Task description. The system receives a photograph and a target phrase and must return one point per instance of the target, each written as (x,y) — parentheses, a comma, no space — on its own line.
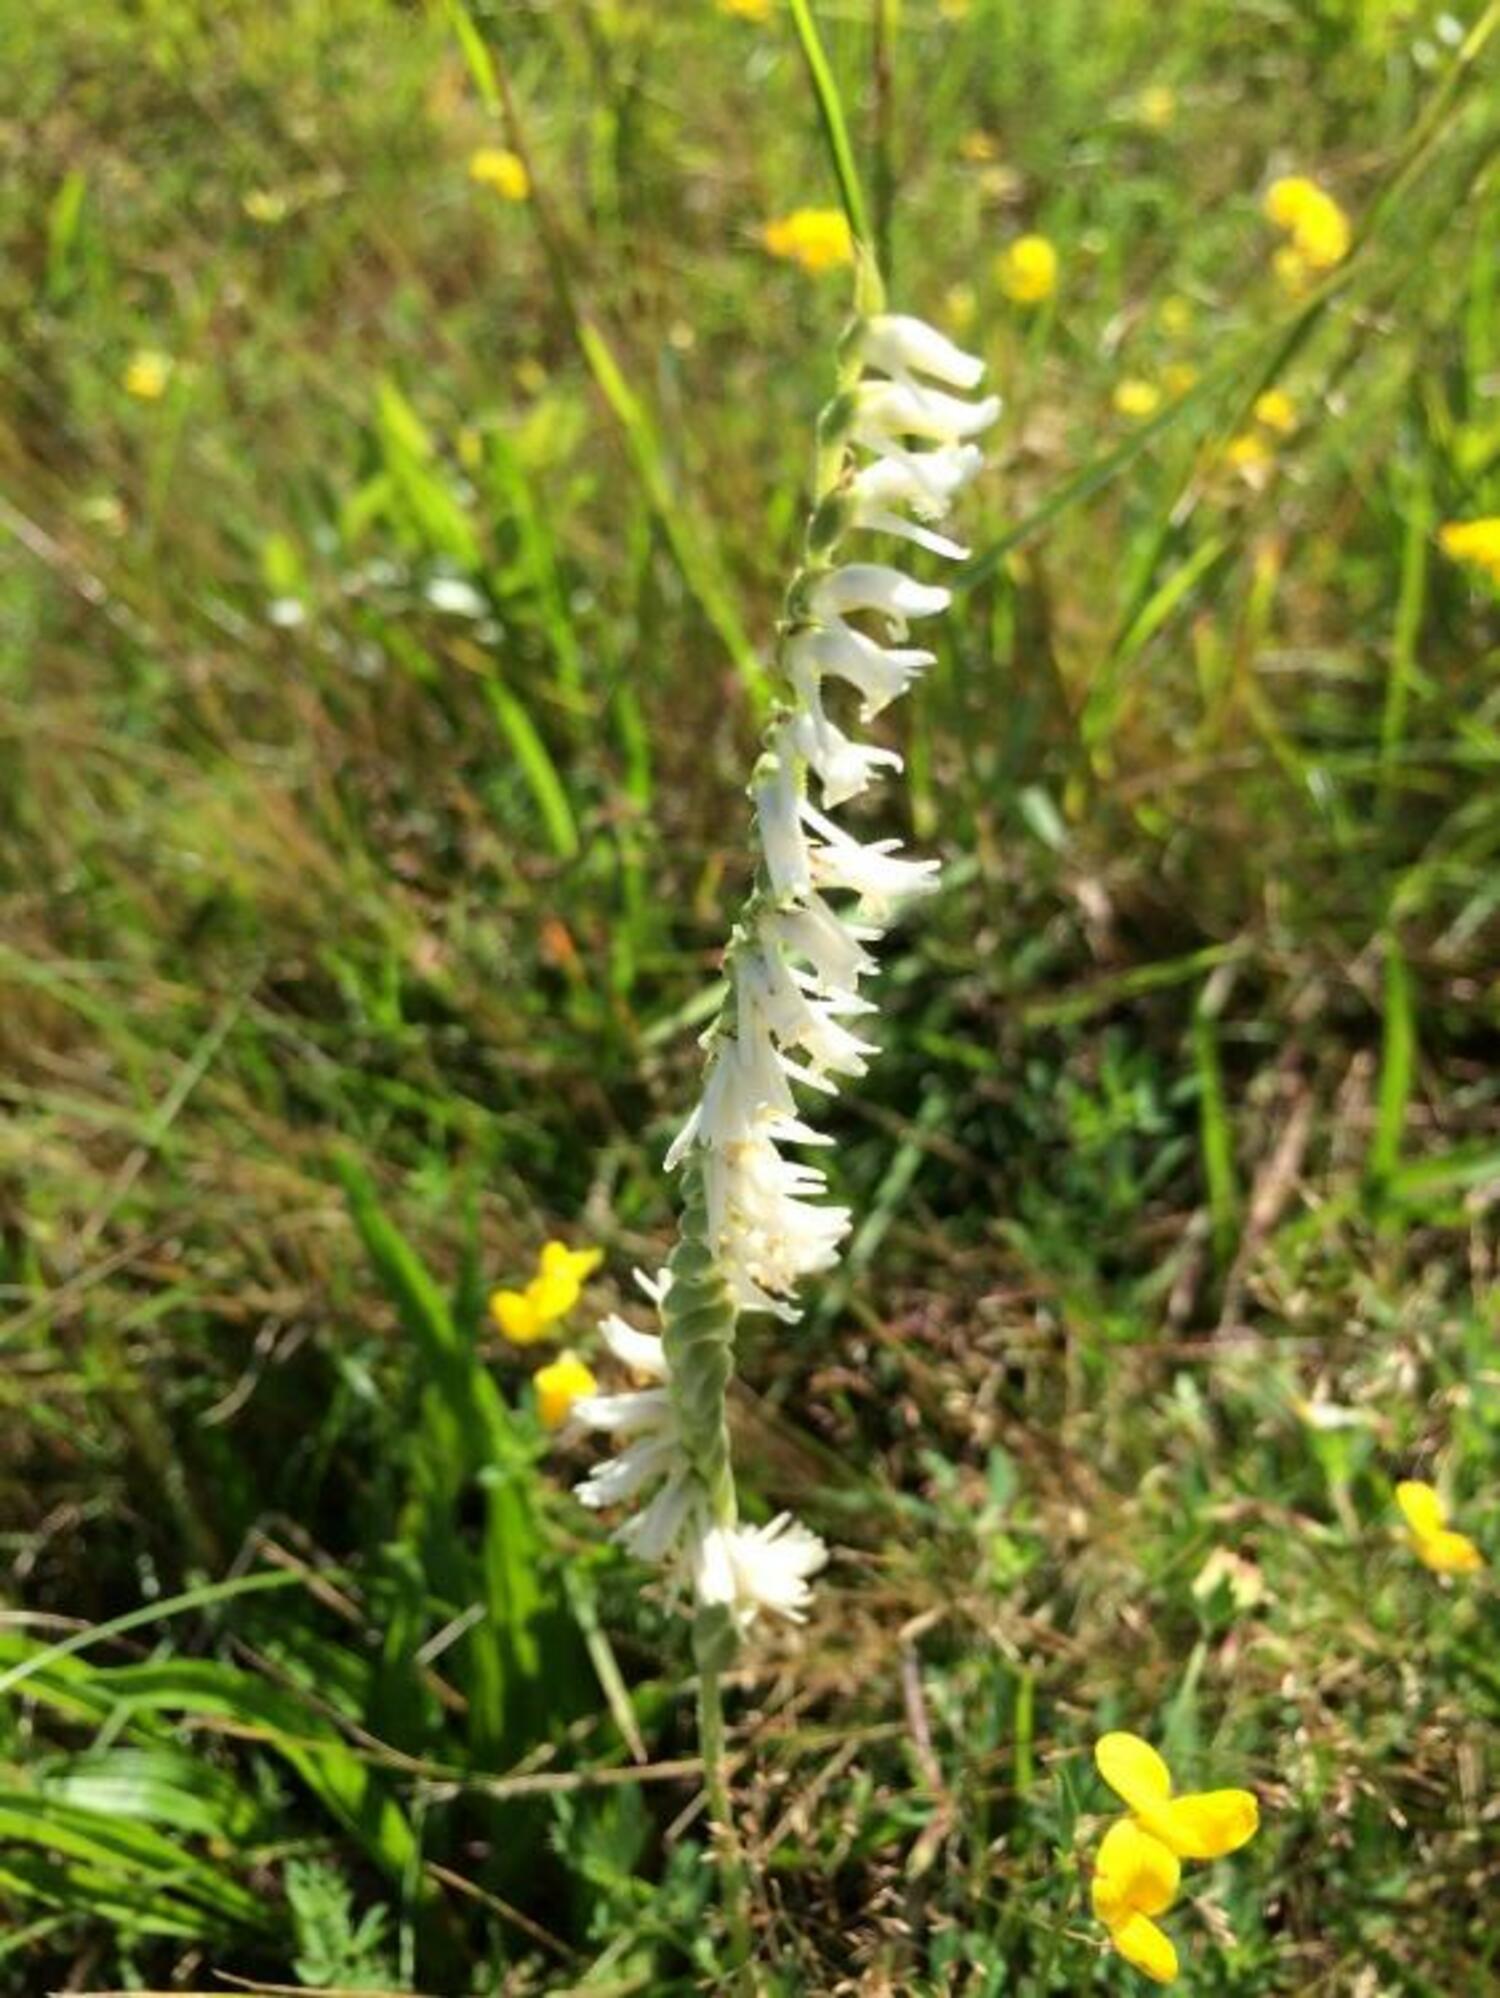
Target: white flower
(871,586)
(799,1021)
(776,794)
(755,1568)
(891,482)
(829,944)
(844,767)
(897,344)
(653,1452)
(879,673)
(658,1529)
(768,1225)
(868,869)
(885,412)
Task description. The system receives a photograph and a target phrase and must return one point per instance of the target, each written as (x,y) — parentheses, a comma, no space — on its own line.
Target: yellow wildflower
(563,1264)
(147,375)
(524,1316)
(558,1385)
(1027,270)
(746,10)
(954,10)
(1203,1825)
(1136,1877)
(1157,106)
(1437,1545)
(1276,411)
(1476,541)
(1139,1866)
(1177,377)
(979,147)
(817,239)
(1248,453)
(1318,227)
(498,167)
(1134,397)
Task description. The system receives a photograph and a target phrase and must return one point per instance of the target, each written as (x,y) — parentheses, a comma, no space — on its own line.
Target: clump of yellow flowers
(1026,270)
(1473,541)
(1139,1864)
(498,167)
(746,10)
(1317,229)
(1436,1544)
(525,1316)
(816,239)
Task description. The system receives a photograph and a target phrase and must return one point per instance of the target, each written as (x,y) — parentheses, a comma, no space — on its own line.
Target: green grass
(374,717)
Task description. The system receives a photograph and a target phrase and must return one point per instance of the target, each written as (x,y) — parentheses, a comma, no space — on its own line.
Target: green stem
(733,1879)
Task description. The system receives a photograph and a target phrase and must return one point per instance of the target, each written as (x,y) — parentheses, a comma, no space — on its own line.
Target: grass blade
(1398,1061)
(835,125)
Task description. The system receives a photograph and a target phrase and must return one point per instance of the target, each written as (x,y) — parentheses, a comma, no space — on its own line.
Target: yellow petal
(1449,1553)
(1134,1874)
(1027,270)
(558,1260)
(552,1297)
(1289,198)
(516,1315)
(1205,1825)
(1146,1947)
(1276,410)
(501,169)
(1134,397)
(558,1385)
(1421,1508)
(1133,1770)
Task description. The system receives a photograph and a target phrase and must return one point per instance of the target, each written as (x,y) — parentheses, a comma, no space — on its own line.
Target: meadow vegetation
(403,447)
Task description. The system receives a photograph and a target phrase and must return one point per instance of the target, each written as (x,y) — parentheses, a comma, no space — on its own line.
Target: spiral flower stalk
(895,449)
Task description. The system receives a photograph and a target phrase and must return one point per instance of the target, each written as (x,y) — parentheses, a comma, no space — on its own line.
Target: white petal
(781,841)
(870,586)
(642,1352)
(879,673)
(712,1567)
(830,945)
(625,1414)
(845,768)
(878,521)
(925,480)
(655,1531)
(620,1478)
(892,410)
(896,343)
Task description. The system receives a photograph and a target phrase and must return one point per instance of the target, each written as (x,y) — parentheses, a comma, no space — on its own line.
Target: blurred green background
(390,540)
